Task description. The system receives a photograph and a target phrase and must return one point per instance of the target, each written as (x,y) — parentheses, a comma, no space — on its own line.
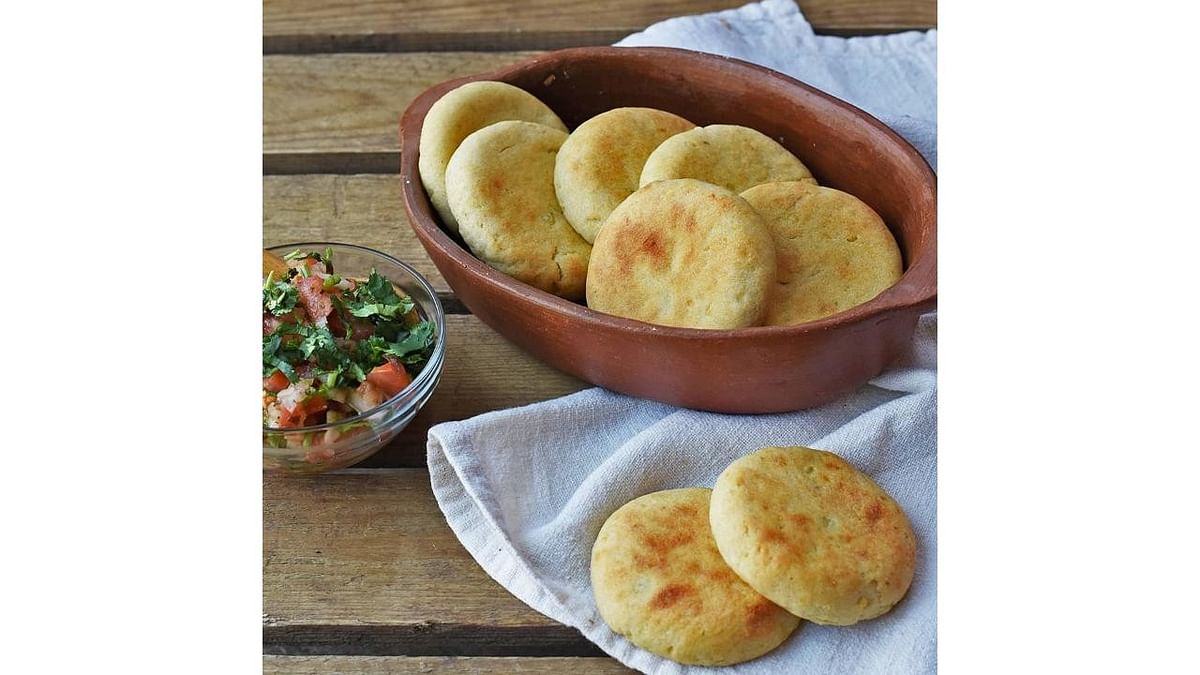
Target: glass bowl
(304,450)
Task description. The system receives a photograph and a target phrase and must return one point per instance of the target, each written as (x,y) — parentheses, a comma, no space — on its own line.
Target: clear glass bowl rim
(432,366)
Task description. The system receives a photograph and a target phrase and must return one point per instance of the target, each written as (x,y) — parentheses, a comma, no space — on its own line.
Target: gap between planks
(367,210)
(484,41)
(340,113)
(428,639)
(380,665)
(361,561)
(317,26)
(482,372)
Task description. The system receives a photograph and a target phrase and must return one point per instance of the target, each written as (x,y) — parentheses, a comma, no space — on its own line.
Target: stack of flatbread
(716,577)
(647,216)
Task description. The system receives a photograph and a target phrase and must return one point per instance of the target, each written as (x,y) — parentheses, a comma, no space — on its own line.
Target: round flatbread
(734,157)
(833,251)
(659,581)
(683,253)
(809,531)
(458,114)
(500,186)
(601,162)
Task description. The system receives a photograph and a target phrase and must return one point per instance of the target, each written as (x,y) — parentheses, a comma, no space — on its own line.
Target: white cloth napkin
(893,77)
(527,489)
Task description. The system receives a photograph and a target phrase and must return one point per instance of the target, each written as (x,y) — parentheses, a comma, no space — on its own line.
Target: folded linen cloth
(526,490)
(893,77)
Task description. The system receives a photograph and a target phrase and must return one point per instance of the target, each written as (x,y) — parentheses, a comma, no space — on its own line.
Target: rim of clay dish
(916,289)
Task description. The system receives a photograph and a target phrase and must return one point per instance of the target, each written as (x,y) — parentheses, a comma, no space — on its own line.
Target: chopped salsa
(333,347)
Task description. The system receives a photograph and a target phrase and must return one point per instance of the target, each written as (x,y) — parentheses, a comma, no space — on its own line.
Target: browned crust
(660,581)
(812,533)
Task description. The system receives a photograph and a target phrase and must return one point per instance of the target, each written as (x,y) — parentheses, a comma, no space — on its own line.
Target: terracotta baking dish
(750,370)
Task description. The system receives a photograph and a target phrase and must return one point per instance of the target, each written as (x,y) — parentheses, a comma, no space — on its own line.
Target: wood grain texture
(483,372)
(381,665)
(365,210)
(295,26)
(362,562)
(350,104)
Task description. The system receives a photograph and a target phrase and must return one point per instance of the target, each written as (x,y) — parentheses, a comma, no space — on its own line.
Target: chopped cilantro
(285,368)
(377,297)
(329,355)
(420,337)
(279,297)
(318,341)
(331,378)
(271,345)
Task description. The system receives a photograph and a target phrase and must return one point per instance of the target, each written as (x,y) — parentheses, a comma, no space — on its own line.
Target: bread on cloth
(458,114)
(601,162)
(500,186)
(833,251)
(812,533)
(683,253)
(659,581)
(735,157)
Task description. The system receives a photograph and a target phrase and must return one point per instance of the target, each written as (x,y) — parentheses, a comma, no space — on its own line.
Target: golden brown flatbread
(736,158)
(683,253)
(833,251)
(812,533)
(500,186)
(601,162)
(458,114)
(660,581)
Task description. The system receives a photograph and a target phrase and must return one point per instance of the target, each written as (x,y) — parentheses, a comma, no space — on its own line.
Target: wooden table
(360,571)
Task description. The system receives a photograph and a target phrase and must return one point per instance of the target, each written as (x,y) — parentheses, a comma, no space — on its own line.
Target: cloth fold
(892,77)
(527,489)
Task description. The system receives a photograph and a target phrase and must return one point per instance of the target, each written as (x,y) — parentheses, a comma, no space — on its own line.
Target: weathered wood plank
(483,372)
(382,665)
(295,26)
(362,562)
(347,104)
(366,210)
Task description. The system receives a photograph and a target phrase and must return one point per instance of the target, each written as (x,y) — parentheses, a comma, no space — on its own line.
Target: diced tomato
(314,404)
(316,303)
(289,418)
(391,377)
(336,325)
(277,382)
(360,329)
(298,416)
